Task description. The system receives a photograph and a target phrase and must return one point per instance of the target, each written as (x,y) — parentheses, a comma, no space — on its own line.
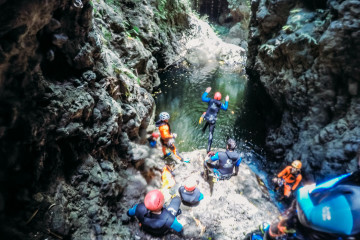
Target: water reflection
(180,95)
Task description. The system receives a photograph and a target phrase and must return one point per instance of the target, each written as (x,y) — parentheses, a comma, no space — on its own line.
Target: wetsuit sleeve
(201,197)
(176,225)
(238,162)
(298,179)
(224,106)
(215,157)
(131,211)
(283,172)
(204,97)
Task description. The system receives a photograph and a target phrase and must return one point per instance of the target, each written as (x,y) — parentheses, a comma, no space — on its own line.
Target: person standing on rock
(189,193)
(290,178)
(214,105)
(153,217)
(227,161)
(167,138)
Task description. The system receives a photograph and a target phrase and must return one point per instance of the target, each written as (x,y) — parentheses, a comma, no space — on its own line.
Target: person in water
(153,217)
(214,105)
(227,161)
(189,193)
(290,178)
(167,138)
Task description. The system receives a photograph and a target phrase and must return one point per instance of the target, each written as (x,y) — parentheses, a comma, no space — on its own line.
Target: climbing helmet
(164,116)
(190,184)
(154,200)
(296,164)
(217,96)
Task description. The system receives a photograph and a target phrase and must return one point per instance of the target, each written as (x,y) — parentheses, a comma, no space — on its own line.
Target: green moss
(308,38)
(269,49)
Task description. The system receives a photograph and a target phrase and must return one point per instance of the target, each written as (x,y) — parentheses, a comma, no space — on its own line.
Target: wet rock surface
(229,210)
(75,83)
(306,56)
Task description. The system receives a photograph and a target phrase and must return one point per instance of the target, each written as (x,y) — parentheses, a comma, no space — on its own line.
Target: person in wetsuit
(153,217)
(189,193)
(227,161)
(290,178)
(214,105)
(330,210)
(167,138)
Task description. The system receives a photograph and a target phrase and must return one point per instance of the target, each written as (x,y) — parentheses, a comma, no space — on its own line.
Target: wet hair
(231,144)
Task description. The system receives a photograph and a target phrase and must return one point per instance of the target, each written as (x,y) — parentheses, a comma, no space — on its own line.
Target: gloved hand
(227,98)
(201,119)
(210,154)
(208,89)
(174,135)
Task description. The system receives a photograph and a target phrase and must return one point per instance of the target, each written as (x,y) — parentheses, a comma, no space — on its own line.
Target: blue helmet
(331,207)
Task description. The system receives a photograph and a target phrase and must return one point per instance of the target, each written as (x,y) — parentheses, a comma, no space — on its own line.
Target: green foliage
(162,11)
(106,34)
(296,10)
(126,71)
(287,27)
(308,38)
(93,6)
(269,49)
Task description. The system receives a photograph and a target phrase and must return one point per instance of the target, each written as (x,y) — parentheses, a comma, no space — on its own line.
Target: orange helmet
(154,200)
(190,184)
(296,164)
(217,96)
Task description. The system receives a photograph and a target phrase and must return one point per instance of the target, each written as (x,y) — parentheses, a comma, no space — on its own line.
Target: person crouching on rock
(290,177)
(152,139)
(189,193)
(167,138)
(227,161)
(153,217)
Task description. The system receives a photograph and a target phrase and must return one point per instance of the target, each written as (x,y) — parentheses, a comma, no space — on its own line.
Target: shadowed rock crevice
(305,58)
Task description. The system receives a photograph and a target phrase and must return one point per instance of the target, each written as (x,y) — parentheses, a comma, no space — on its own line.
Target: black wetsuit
(190,198)
(158,224)
(211,116)
(226,163)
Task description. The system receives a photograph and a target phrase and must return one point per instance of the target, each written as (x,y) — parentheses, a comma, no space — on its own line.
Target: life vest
(156,224)
(288,176)
(227,161)
(212,111)
(189,198)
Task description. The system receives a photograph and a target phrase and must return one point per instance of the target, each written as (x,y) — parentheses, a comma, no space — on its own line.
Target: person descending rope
(152,215)
(227,161)
(214,105)
(189,193)
(328,211)
(290,178)
(167,138)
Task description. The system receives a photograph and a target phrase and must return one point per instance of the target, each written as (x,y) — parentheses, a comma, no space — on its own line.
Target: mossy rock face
(302,55)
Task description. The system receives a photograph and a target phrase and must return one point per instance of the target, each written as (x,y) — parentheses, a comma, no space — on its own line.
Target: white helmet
(164,116)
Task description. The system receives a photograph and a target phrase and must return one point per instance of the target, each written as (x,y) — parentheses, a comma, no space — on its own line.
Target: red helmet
(217,96)
(190,184)
(155,135)
(154,200)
